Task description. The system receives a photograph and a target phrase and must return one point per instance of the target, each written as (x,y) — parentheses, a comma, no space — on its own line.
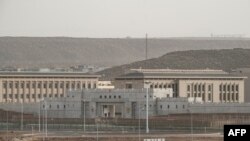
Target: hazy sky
(121,18)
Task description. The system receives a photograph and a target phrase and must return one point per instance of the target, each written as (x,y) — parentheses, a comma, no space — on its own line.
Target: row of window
(199,87)
(176,107)
(58,106)
(229,97)
(228,87)
(163,86)
(209,95)
(16,96)
(74,85)
(114,96)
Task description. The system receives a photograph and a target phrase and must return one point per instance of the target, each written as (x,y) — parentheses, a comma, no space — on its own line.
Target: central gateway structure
(120,103)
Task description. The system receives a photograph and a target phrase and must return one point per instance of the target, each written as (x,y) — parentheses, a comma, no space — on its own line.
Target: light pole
(191,121)
(39,116)
(147,87)
(46,119)
(8,100)
(22,115)
(83,111)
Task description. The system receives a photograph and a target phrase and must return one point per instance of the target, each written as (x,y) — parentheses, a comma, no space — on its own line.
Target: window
(176,106)
(61,85)
(64,106)
(5,96)
(16,85)
(39,85)
(22,84)
(188,88)
(27,95)
(89,85)
(228,96)
(78,85)
(209,97)
(28,85)
(232,87)
(224,97)
(165,86)
(58,106)
(119,97)
(220,87)
(209,87)
(105,96)
(72,85)
(183,107)
(195,87)
(199,88)
(237,97)
(39,95)
(67,85)
(168,106)
(203,87)
(233,96)
(151,86)
(228,87)
(224,88)
(160,86)
(128,86)
(115,97)
(220,96)
(44,85)
(33,85)
(5,85)
(56,85)
(33,96)
(109,96)
(61,95)
(188,95)
(237,87)
(16,96)
(50,85)
(100,96)
(94,86)
(10,84)
(83,86)
(161,106)
(156,86)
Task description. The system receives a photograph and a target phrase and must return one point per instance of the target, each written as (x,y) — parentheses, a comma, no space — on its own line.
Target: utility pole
(146,50)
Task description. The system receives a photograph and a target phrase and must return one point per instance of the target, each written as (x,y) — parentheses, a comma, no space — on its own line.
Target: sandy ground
(80,136)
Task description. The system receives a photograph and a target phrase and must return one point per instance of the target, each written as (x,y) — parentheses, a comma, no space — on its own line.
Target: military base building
(31,87)
(211,85)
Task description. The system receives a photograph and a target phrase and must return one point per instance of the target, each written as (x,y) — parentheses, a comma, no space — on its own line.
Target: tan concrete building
(210,85)
(34,86)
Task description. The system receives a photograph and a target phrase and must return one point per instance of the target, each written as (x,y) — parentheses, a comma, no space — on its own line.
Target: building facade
(210,85)
(112,103)
(34,86)
(130,103)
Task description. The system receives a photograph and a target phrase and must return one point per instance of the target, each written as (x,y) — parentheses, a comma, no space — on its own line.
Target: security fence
(173,123)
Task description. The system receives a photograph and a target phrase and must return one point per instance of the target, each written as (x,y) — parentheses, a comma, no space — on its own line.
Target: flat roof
(179,75)
(48,74)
